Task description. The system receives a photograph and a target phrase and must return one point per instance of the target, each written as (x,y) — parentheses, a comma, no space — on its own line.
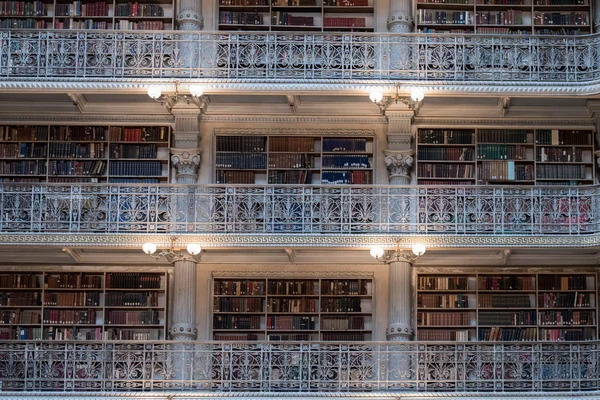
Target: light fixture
(418,249)
(170,254)
(169,100)
(416,96)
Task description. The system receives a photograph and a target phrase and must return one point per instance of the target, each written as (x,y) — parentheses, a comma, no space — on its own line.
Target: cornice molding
(231,85)
(504,121)
(292,274)
(294,131)
(295,119)
(89,118)
(256,240)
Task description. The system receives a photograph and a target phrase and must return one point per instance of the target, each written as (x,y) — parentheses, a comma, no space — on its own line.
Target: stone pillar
(400,19)
(185,150)
(189,15)
(183,323)
(400,301)
(186,163)
(399,156)
(596,6)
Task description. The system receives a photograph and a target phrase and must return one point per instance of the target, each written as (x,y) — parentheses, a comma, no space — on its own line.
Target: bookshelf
(507,307)
(83,306)
(73,154)
(516,17)
(292,309)
(87,14)
(294,160)
(297,15)
(505,156)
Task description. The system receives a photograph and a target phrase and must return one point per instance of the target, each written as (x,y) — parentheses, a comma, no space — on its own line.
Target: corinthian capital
(187,164)
(399,163)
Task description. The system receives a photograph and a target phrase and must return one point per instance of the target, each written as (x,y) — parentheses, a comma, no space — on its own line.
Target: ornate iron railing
(250,209)
(311,56)
(299,367)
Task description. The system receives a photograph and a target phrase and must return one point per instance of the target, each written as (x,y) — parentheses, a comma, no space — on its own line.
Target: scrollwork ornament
(187,164)
(399,163)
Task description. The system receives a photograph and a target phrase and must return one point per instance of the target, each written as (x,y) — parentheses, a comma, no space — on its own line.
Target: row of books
(497,334)
(292,144)
(23,9)
(507,318)
(133,180)
(137,299)
(76,150)
(561,171)
(344,337)
(235,177)
(445,170)
(284,18)
(560,154)
(72,333)
(443,283)
(426,29)
(243,2)
(133,151)
(132,334)
(346,177)
(21,334)
(139,10)
(561,18)
(291,161)
(502,152)
(293,287)
(344,304)
(502,2)
(87,133)
(505,171)
(345,287)
(555,137)
(344,22)
(559,300)
(69,317)
(295,337)
(444,2)
(146,317)
(22,24)
(343,145)
(19,299)
(288,177)
(73,23)
(240,18)
(144,134)
(494,30)
(79,9)
(557,282)
(23,167)
(126,25)
(135,168)
(290,323)
(77,167)
(126,280)
(247,337)
(241,144)
(442,300)
(346,3)
(236,322)
(433,182)
(19,281)
(228,304)
(507,282)
(443,17)
(504,300)
(462,318)
(567,317)
(302,305)
(23,133)
(504,136)
(72,299)
(508,17)
(241,160)
(559,31)
(239,288)
(342,322)
(15,317)
(560,2)
(446,153)
(345,161)
(289,3)
(443,335)
(561,335)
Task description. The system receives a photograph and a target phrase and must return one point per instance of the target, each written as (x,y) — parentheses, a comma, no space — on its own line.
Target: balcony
(60,214)
(557,64)
(298,367)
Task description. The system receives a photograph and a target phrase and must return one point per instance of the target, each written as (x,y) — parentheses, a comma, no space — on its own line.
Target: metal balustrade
(491,59)
(269,209)
(299,367)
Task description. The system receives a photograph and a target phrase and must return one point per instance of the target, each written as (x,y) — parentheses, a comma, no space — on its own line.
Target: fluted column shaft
(596,16)
(189,15)
(183,325)
(400,300)
(400,19)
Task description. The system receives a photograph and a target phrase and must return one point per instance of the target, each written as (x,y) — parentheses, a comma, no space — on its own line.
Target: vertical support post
(400,18)
(183,325)
(400,301)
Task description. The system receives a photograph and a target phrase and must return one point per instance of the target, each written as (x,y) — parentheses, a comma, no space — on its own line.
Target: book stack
(137,299)
(147,317)
(290,323)
(228,304)
(70,317)
(236,322)
(133,280)
(345,304)
(75,299)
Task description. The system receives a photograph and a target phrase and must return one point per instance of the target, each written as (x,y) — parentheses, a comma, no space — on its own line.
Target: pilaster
(400,18)
(596,16)
(400,301)
(189,15)
(183,325)
(399,156)
(185,151)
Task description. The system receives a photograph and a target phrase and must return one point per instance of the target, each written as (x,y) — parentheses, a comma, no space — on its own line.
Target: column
(185,152)
(189,15)
(400,301)
(399,156)
(400,19)
(183,325)
(596,7)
